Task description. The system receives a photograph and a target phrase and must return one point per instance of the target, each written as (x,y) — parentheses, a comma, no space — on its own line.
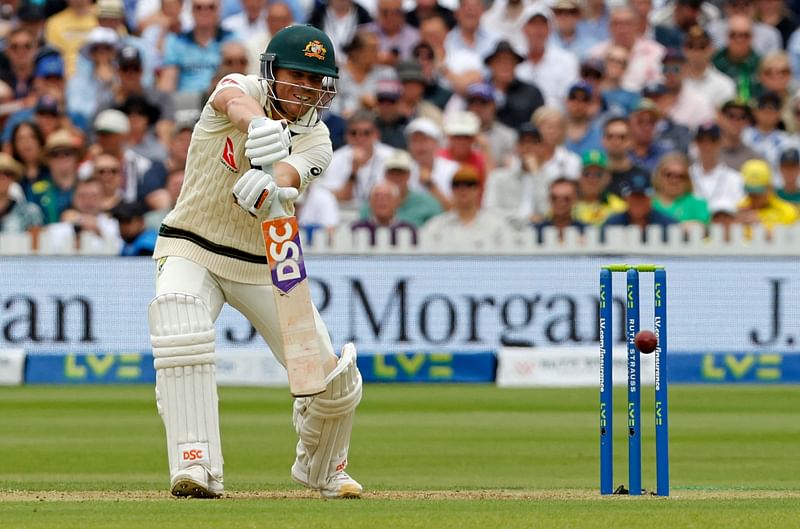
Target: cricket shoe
(194,482)
(339,485)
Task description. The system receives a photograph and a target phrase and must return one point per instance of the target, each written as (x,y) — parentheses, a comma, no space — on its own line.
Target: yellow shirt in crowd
(777,211)
(67,31)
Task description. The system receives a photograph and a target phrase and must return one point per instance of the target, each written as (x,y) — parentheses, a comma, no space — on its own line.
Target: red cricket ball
(646,341)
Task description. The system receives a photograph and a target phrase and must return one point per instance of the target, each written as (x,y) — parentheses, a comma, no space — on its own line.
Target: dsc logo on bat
(285,256)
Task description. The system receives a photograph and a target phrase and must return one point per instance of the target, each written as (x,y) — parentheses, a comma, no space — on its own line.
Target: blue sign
(90,368)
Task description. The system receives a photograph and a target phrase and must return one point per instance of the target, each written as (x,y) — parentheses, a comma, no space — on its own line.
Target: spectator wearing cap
(644,54)
(396,37)
(250,23)
(111,15)
(390,120)
(552,69)
(645,149)
(359,75)
(67,30)
(357,166)
(789,189)
(701,76)
(505,185)
(429,171)
(414,207)
(761,205)
(339,19)
(137,239)
(583,131)
(85,225)
(142,117)
(466,222)
(618,99)
(192,57)
(733,118)
(686,107)
(465,144)
(384,201)
(565,35)
(27,148)
(500,138)
(673,193)
(17,215)
(712,180)
(516,99)
(129,83)
(738,60)
(669,135)
(595,202)
(617,144)
(94,79)
(765,38)
(17,64)
(112,129)
(414,87)
(54,195)
(764,136)
(551,161)
(640,212)
(563,197)
(427,9)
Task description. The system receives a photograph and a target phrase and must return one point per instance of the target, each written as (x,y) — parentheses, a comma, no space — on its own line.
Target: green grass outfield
(443,456)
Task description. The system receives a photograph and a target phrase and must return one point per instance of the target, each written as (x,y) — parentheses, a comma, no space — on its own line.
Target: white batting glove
(254,192)
(268,141)
(286,197)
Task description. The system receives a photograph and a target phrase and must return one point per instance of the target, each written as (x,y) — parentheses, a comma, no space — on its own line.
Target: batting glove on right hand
(254,191)
(268,141)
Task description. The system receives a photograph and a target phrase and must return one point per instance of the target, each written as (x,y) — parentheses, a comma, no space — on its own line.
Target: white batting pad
(324,422)
(182,335)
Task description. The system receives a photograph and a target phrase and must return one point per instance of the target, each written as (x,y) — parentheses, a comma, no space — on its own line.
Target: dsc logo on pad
(192,455)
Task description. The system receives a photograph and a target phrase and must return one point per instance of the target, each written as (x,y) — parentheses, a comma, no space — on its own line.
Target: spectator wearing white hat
(112,129)
(549,67)
(465,144)
(429,170)
(94,78)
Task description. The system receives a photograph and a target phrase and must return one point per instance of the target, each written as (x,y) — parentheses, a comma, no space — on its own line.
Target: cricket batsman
(258,139)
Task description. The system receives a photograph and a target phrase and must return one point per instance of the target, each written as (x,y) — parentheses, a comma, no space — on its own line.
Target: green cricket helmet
(302,48)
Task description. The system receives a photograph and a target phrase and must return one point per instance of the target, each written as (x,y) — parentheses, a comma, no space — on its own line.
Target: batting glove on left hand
(268,141)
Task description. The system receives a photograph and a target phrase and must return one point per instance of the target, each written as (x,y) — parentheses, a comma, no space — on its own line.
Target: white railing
(676,240)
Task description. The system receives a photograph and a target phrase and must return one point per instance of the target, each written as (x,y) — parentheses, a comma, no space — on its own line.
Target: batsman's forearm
(239,107)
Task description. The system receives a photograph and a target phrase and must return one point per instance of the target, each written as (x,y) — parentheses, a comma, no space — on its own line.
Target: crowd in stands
(457,119)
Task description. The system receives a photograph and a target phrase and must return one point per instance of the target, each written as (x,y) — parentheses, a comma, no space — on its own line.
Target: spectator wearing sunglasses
(764,136)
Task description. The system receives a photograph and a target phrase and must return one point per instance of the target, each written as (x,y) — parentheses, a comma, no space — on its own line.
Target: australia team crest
(315,49)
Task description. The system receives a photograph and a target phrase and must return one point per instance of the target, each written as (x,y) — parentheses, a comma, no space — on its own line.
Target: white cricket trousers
(256,302)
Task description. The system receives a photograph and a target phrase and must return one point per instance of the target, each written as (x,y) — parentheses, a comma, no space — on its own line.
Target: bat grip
(276,209)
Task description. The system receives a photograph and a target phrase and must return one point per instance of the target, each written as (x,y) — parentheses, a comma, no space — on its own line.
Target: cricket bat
(293,301)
